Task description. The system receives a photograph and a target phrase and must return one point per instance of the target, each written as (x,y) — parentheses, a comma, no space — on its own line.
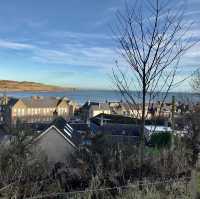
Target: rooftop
(62,125)
(119,119)
(38,102)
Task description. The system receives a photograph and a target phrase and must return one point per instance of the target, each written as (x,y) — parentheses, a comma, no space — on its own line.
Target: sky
(69,42)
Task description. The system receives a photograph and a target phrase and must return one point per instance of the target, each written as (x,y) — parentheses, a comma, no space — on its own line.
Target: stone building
(91,109)
(37,109)
(57,142)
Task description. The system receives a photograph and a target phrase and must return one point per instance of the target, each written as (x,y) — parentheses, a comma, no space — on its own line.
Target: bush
(160,140)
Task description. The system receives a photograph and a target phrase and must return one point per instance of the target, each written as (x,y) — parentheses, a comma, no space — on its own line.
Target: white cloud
(90,57)
(15,45)
(77,35)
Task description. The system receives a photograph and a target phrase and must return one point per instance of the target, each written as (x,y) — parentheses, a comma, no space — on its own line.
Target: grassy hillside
(8,85)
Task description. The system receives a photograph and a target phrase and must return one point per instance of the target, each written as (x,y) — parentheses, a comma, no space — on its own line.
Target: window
(23,112)
(18,111)
(28,111)
(35,111)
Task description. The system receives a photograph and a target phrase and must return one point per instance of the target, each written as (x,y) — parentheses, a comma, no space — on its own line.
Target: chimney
(55,114)
(35,97)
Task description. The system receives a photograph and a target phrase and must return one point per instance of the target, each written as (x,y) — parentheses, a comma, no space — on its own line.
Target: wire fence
(178,187)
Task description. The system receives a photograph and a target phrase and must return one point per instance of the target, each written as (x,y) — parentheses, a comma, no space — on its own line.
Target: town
(61,134)
(100,99)
(118,120)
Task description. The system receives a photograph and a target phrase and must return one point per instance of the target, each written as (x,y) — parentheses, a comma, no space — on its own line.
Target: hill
(9,85)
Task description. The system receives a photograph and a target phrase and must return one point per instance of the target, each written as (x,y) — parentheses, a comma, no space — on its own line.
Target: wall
(54,146)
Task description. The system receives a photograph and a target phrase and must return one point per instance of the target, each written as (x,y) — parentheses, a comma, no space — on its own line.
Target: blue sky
(69,42)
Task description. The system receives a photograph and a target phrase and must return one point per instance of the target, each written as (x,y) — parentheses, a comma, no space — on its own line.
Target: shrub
(160,140)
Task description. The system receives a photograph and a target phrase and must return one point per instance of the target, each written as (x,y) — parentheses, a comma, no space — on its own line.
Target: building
(37,109)
(91,109)
(97,109)
(125,109)
(123,129)
(83,131)
(158,129)
(119,129)
(57,142)
(116,131)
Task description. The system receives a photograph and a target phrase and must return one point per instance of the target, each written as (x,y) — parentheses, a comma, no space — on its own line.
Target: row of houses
(58,135)
(39,109)
(59,139)
(36,109)
(158,109)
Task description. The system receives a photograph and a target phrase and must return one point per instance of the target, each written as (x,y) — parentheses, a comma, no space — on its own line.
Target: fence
(179,188)
(160,189)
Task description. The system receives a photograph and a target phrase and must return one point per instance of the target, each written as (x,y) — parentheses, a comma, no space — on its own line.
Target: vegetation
(150,38)
(8,85)
(114,170)
(101,165)
(161,140)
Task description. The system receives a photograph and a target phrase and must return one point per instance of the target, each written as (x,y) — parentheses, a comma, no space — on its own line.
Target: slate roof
(121,129)
(120,119)
(37,127)
(114,119)
(121,133)
(40,102)
(80,126)
(101,106)
(12,101)
(63,126)
(88,104)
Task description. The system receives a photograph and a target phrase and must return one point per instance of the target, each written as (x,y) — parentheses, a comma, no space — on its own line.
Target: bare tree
(152,37)
(196,81)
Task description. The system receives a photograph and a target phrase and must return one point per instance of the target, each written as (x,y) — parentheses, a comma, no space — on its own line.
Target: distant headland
(26,86)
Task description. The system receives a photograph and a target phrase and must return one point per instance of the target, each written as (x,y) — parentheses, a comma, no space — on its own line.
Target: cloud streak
(15,45)
(96,57)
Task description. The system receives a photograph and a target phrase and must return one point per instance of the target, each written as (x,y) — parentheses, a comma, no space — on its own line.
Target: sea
(81,96)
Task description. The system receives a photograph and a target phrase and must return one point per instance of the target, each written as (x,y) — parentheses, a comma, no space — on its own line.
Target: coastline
(83,95)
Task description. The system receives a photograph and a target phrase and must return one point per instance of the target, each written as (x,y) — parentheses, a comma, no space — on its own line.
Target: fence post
(194,184)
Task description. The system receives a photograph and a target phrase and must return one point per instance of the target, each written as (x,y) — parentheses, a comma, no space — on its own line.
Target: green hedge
(161,139)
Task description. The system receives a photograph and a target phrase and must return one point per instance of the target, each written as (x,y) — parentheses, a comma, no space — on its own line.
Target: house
(121,133)
(125,109)
(118,129)
(125,129)
(37,109)
(91,109)
(57,142)
(120,119)
(84,131)
(158,129)
(97,109)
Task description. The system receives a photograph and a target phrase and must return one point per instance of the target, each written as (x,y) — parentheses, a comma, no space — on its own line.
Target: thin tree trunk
(141,155)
